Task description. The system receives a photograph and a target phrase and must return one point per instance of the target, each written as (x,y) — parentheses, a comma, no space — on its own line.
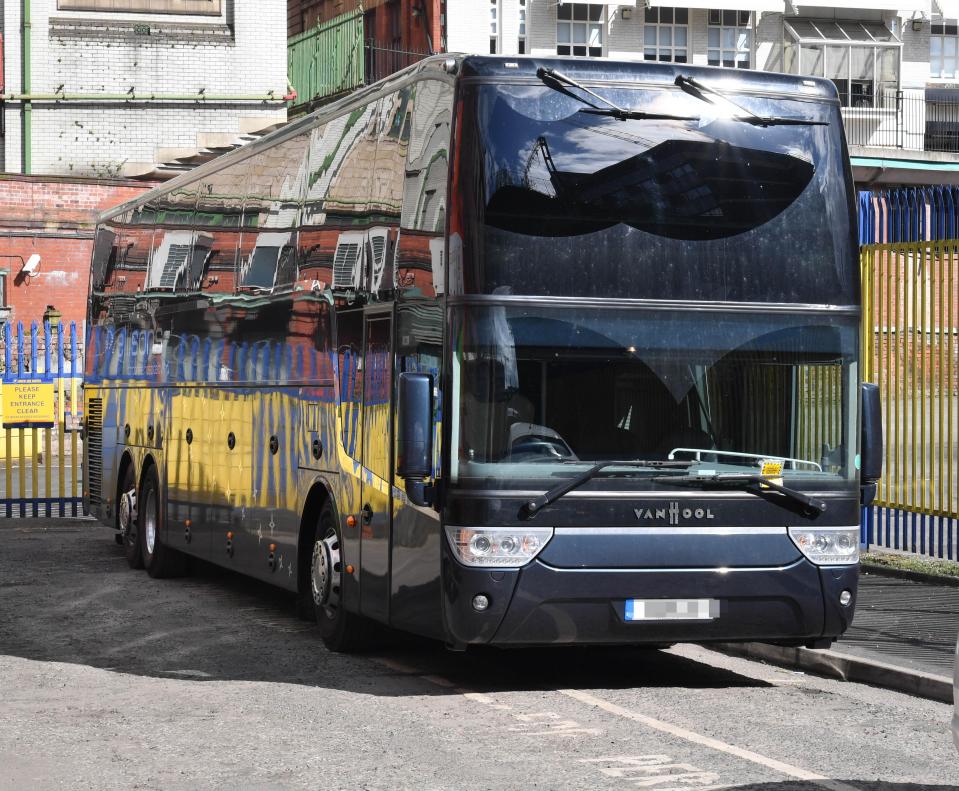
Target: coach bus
(513,351)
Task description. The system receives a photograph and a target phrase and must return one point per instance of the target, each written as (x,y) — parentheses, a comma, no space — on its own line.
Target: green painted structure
(327,60)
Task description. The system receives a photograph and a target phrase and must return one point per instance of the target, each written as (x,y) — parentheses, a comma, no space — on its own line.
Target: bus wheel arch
(322,567)
(126,511)
(318,496)
(159,559)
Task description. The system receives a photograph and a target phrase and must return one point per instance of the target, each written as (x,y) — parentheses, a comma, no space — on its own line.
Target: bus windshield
(542,393)
(566,202)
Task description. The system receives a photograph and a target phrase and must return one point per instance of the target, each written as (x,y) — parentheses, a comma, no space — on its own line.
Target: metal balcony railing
(908,120)
(382,60)
(333,58)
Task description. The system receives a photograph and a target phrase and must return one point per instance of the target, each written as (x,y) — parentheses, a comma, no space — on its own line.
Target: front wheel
(341,630)
(159,559)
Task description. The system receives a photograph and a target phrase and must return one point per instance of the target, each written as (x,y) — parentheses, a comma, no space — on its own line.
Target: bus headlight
(501,547)
(827,546)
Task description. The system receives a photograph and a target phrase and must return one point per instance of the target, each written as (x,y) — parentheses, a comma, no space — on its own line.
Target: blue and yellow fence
(909,255)
(40,417)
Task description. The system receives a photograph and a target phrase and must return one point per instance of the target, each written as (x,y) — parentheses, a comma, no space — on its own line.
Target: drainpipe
(130,96)
(26,141)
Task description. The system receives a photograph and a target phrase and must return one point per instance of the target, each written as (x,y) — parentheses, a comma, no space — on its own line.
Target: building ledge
(140,33)
(921,158)
(886,167)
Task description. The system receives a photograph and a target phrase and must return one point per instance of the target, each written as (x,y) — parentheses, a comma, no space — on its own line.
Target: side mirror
(414,442)
(870,448)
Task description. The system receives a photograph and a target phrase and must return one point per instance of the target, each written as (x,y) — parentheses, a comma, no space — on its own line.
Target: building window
(522,28)
(729,39)
(943,41)
(493,27)
(579,29)
(861,58)
(198,7)
(665,35)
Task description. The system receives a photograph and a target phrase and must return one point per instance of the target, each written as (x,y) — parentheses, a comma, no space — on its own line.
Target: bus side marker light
(351,521)
(271,558)
(349,569)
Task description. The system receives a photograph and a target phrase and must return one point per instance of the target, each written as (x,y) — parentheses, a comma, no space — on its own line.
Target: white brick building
(88,56)
(895,68)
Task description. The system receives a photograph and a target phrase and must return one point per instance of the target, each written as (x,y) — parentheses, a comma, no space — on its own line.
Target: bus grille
(94,449)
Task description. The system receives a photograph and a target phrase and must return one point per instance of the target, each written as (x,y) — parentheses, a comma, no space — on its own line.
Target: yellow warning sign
(28,403)
(773,470)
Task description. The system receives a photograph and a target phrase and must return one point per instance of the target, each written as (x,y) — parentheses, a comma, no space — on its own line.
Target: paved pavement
(112,680)
(902,638)
(903,622)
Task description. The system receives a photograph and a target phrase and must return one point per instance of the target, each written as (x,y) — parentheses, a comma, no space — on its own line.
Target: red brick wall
(54,218)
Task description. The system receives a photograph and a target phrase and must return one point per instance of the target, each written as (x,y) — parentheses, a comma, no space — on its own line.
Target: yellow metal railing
(910,321)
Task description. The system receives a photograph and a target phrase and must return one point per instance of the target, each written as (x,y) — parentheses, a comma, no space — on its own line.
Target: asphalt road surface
(112,680)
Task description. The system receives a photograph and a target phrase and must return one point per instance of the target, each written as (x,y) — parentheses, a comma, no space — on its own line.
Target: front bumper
(543,605)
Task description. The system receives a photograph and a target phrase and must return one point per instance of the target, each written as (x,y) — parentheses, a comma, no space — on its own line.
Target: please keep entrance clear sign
(28,403)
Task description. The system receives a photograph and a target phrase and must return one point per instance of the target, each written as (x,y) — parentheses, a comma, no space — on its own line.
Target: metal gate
(41,407)
(909,254)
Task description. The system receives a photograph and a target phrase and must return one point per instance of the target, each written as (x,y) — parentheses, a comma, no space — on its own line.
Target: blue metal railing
(909,214)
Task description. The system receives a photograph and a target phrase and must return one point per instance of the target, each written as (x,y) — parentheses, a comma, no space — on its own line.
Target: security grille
(94,449)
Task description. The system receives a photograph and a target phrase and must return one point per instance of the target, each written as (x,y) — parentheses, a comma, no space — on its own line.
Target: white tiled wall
(96,138)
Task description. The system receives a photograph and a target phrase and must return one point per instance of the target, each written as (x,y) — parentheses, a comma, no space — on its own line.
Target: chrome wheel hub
(128,511)
(150,522)
(325,574)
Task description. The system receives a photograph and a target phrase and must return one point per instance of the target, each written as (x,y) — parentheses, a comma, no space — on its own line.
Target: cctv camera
(32,265)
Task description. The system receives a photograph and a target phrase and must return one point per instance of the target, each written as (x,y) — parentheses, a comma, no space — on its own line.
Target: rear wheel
(341,630)
(159,559)
(127,519)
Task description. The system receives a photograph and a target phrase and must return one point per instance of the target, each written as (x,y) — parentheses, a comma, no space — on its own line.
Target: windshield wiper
(704,92)
(556,79)
(754,484)
(539,503)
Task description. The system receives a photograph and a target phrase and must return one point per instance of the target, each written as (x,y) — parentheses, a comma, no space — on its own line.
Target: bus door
(375,499)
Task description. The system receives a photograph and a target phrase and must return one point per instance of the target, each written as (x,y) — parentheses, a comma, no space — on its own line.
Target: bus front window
(540,393)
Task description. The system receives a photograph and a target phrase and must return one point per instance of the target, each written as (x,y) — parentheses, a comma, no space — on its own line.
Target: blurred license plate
(672,609)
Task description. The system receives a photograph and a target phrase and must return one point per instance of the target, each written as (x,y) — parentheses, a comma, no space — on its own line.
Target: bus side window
(171,261)
(386,201)
(349,356)
(337,215)
(276,192)
(420,250)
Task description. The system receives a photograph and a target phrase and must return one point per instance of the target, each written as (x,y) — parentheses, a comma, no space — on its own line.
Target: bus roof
(499,68)
(603,70)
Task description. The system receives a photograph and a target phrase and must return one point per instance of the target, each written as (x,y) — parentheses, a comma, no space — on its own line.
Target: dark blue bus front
(651,391)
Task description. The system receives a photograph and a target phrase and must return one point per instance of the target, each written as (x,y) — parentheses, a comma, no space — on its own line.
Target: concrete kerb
(906,574)
(834,664)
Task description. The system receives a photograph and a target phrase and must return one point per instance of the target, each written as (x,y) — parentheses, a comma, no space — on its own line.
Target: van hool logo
(674,512)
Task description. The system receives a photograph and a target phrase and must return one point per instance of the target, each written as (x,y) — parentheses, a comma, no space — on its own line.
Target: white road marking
(571,727)
(707,741)
(654,770)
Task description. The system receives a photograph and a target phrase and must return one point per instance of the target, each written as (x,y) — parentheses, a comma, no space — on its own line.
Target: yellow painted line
(707,741)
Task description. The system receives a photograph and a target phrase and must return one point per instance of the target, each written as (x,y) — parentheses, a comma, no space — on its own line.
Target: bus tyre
(159,559)
(341,631)
(127,520)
